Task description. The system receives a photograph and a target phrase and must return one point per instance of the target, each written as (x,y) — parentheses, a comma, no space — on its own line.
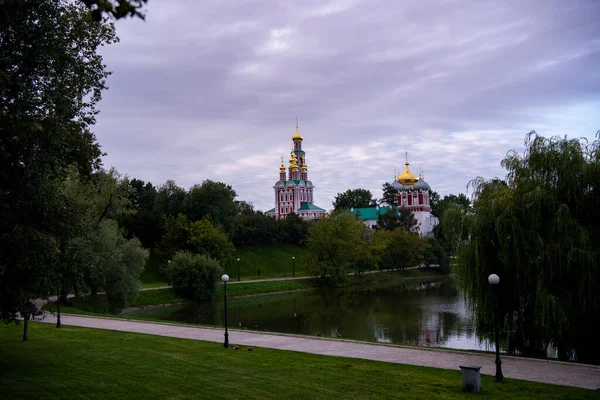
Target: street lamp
(225,278)
(58,324)
(293,266)
(238,263)
(494,280)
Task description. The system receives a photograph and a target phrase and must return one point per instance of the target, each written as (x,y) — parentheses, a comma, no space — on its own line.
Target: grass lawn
(98,364)
(274,261)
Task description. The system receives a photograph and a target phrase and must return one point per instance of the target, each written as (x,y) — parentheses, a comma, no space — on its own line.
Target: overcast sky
(211,89)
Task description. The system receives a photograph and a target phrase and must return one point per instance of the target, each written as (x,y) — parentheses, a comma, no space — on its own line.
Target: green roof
(272,210)
(308,206)
(369,213)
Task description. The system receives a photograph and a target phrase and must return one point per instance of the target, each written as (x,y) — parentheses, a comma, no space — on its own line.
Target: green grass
(151,276)
(97,364)
(274,261)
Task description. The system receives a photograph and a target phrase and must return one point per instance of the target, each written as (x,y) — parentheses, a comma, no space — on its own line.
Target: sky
(211,89)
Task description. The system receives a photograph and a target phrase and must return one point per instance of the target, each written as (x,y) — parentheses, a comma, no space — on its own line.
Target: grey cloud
(210,90)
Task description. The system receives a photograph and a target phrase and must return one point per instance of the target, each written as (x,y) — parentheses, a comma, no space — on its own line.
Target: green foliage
(460,204)
(541,236)
(256,228)
(354,198)
(397,249)
(116,9)
(51,78)
(397,218)
(112,263)
(434,254)
(336,245)
(214,200)
(194,276)
(145,222)
(390,195)
(175,236)
(206,239)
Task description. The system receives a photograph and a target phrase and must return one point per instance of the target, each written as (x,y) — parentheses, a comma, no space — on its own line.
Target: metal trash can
(471,378)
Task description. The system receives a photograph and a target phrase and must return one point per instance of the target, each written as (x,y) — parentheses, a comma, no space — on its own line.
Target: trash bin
(471,378)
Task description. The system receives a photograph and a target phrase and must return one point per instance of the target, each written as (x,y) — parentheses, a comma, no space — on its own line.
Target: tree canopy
(49,90)
(354,198)
(540,233)
(390,195)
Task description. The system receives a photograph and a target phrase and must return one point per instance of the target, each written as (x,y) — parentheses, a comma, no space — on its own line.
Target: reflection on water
(424,312)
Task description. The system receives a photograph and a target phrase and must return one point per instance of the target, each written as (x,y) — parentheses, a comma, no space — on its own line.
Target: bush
(194,276)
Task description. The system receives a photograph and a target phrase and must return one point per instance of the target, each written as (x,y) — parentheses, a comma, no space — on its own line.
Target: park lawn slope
(97,364)
(273,260)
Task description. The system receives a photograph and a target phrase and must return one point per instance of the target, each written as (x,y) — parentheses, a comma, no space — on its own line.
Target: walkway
(556,372)
(233,282)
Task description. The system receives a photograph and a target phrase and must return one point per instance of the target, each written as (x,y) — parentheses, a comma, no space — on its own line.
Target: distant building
(412,193)
(294,192)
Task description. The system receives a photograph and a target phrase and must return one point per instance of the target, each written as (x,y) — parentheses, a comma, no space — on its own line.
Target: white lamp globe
(225,278)
(494,279)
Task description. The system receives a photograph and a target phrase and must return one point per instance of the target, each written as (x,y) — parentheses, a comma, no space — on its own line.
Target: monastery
(294,193)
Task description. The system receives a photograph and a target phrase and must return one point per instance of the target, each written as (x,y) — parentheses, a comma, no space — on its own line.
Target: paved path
(556,372)
(233,282)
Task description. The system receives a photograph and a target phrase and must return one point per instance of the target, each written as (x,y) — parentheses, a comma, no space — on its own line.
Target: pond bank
(160,297)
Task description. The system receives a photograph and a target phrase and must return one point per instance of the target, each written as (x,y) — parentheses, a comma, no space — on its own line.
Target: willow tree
(540,234)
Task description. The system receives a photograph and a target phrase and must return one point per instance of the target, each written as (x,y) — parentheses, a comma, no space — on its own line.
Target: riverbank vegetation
(90,305)
(538,231)
(116,365)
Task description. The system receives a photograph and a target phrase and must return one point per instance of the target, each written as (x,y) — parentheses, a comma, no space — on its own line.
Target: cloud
(211,90)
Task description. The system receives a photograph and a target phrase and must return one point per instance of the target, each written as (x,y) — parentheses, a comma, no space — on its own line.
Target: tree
(113,263)
(51,78)
(390,195)
(397,249)
(295,228)
(145,222)
(354,198)
(540,235)
(194,275)
(215,200)
(175,236)
(336,246)
(206,239)
(393,218)
(169,199)
(116,9)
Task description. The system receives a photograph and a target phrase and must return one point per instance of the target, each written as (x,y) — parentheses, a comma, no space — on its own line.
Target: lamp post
(225,278)
(293,266)
(494,280)
(58,324)
(238,263)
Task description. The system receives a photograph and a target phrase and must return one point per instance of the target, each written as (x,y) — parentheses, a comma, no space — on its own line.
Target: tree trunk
(25,327)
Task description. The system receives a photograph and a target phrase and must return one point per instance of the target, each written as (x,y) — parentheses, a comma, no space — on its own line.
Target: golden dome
(407,177)
(304,169)
(282,167)
(296,135)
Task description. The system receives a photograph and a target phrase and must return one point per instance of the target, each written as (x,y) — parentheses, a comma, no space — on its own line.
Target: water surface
(424,311)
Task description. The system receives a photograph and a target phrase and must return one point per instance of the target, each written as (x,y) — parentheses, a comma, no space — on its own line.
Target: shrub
(194,276)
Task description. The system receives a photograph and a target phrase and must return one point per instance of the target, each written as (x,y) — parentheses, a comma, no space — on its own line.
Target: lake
(422,311)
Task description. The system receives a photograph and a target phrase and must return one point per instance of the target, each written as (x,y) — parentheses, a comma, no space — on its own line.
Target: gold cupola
(407,177)
(296,136)
(293,162)
(282,167)
(304,169)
